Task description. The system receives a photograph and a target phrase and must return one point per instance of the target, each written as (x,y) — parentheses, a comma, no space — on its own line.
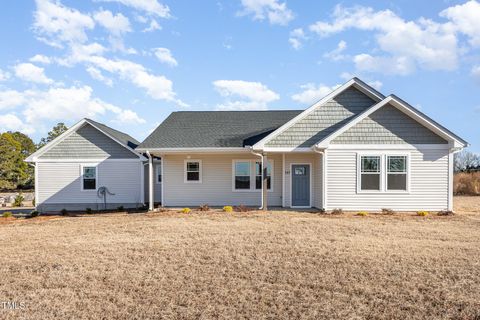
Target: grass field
(276,265)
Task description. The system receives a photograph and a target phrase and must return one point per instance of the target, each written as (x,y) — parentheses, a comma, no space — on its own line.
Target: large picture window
(397,173)
(370,173)
(258,175)
(89,178)
(242,175)
(193,171)
(247,175)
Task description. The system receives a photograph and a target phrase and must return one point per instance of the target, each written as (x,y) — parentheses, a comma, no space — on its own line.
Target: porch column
(264,181)
(150,182)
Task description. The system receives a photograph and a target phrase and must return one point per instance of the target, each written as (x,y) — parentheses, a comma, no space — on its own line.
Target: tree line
(15,173)
(466,161)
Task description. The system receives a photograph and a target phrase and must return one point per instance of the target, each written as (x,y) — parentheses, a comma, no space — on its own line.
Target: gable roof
(408,110)
(215,129)
(354,82)
(119,137)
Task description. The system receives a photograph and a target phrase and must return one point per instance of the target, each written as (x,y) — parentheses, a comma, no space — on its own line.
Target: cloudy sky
(129,63)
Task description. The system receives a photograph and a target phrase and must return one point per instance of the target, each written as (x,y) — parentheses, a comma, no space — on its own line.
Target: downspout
(324,174)
(261,157)
(150,181)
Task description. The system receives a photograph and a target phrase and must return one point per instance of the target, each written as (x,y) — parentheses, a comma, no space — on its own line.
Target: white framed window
(247,175)
(397,173)
(193,171)
(89,177)
(158,174)
(370,173)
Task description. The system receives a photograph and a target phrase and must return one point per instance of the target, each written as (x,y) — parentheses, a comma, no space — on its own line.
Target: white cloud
(312,93)
(31,73)
(336,54)
(10,99)
(164,55)
(466,19)
(247,95)
(56,24)
(376,84)
(97,75)
(10,122)
(39,58)
(128,117)
(297,36)
(4,75)
(154,25)
(276,12)
(407,44)
(151,7)
(476,71)
(116,24)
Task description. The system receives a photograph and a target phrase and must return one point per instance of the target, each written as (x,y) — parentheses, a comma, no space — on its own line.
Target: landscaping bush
(387,211)
(322,211)
(422,213)
(7,214)
(337,211)
(445,213)
(120,208)
(227,209)
(89,211)
(34,214)
(186,210)
(18,201)
(242,208)
(466,183)
(204,207)
(64,212)
(362,213)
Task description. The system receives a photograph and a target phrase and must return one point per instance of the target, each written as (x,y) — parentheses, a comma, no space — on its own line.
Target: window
(193,171)
(397,173)
(258,175)
(158,178)
(89,178)
(242,175)
(370,173)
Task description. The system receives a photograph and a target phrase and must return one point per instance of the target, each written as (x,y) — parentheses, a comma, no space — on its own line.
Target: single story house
(355,149)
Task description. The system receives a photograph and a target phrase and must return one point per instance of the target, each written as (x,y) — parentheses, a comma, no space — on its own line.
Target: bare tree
(466,161)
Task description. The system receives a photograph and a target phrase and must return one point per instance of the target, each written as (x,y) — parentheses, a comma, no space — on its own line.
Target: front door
(300,185)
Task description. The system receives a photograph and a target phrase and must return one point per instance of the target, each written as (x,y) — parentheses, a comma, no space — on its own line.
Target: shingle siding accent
(324,120)
(88,143)
(388,125)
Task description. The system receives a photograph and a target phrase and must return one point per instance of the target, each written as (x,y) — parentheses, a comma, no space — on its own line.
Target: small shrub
(64,212)
(242,208)
(422,213)
(186,210)
(204,207)
(227,209)
(18,201)
(120,208)
(34,214)
(322,211)
(362,213)
(33,202)
(445,213)
(7,214)
(387,211)
(337,211)
(89,210)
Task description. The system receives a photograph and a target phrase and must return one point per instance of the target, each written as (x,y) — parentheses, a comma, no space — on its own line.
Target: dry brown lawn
(276,265)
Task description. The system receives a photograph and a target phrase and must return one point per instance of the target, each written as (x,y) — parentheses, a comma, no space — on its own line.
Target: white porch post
(264,182)
(150,181)
(283,179)
(450,180)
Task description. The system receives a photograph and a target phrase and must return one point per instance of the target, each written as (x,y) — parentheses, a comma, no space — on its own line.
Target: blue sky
(130,63)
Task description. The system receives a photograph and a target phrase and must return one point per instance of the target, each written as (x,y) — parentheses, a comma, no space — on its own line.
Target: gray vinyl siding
(388,125)
(157,187)
(324,120)
(88,143)
(316,176)
(428,182)
(217,182)
(59,185)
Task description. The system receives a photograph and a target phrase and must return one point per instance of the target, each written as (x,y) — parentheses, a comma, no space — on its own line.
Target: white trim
(291,184)
(283,180)
(253,175)
(389,146)
(400,105)
(34,157)
(37,191)
(158,167)
(200,169)
(374,94)
(325,179)
(142,181)
(83,165)
(194,150)
(87,160)
(273,149)
(162,200)
(450,181)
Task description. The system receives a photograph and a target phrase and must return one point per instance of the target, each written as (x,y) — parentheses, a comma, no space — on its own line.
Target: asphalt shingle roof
(216,129)
(120,136)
